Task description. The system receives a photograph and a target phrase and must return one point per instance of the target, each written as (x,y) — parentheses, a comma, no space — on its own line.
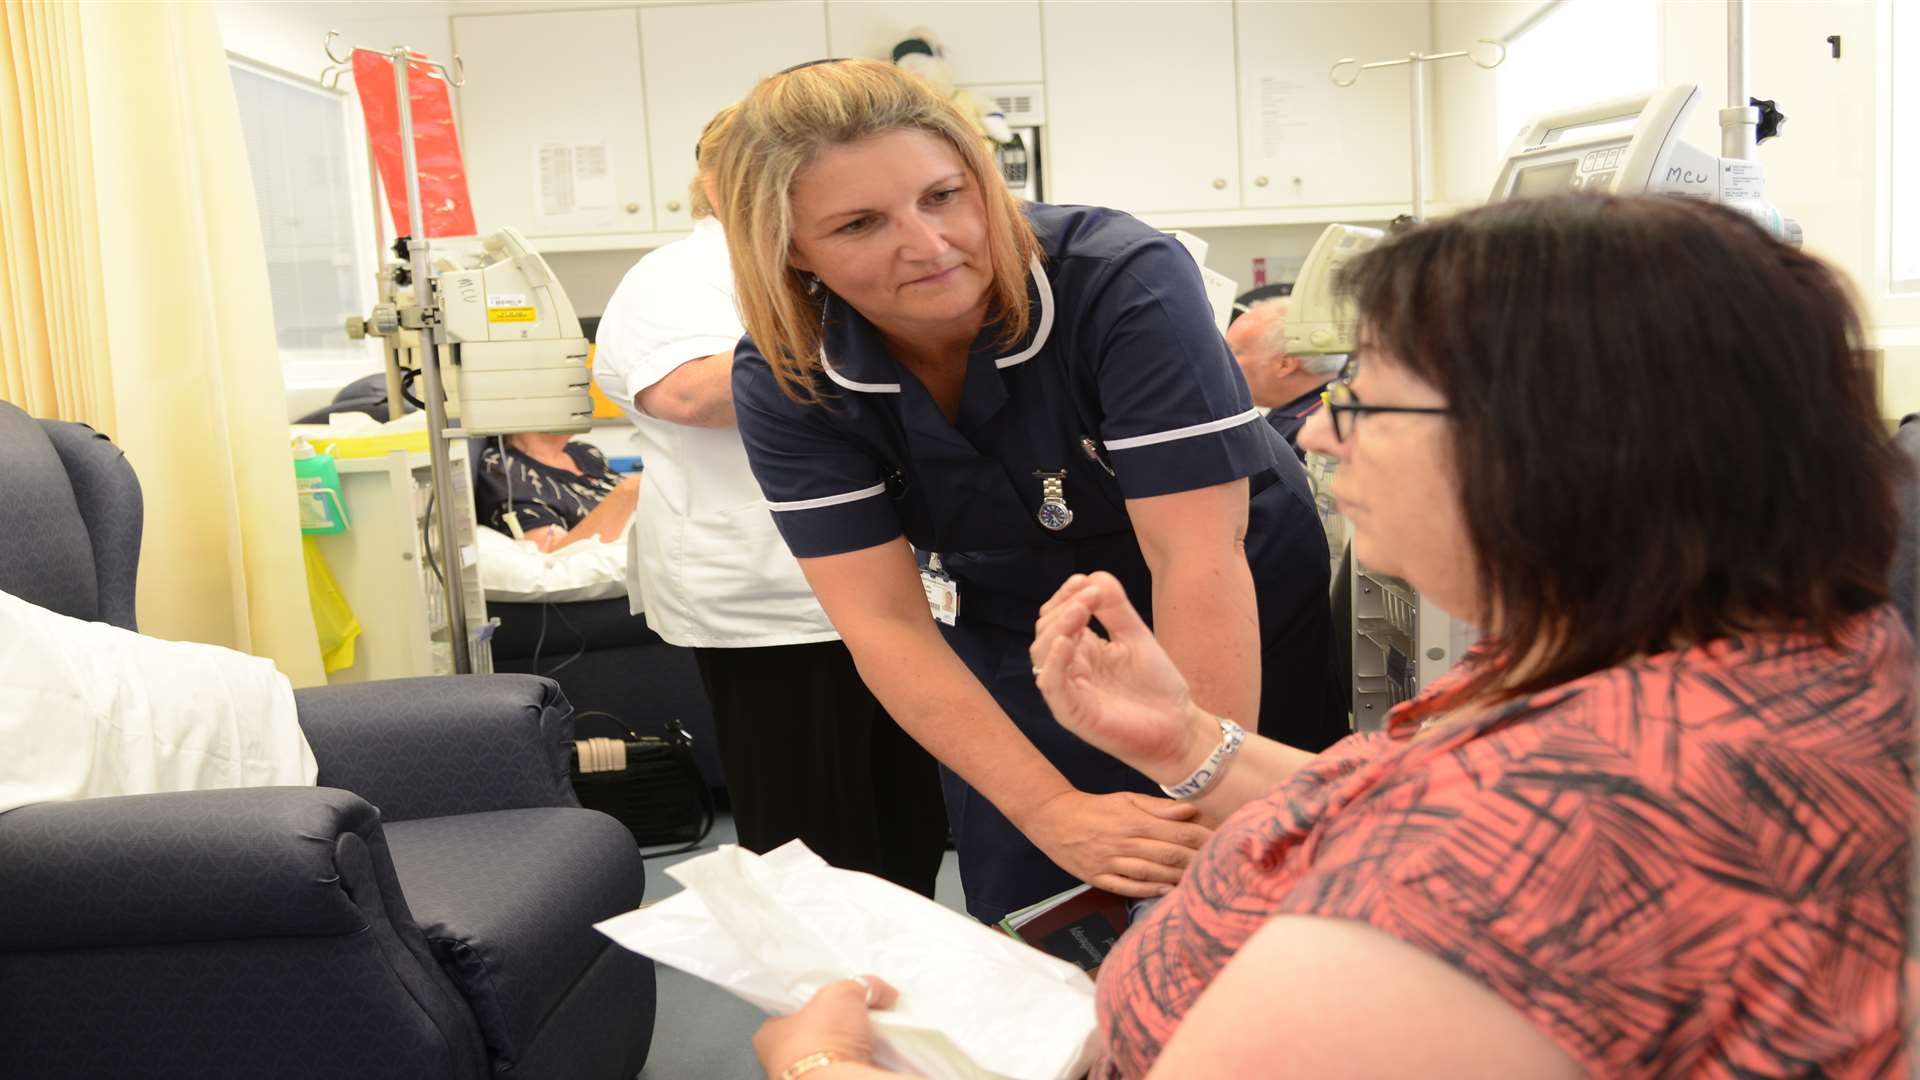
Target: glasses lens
(1339,397)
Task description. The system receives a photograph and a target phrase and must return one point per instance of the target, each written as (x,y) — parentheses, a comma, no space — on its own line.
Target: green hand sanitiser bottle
(322,510)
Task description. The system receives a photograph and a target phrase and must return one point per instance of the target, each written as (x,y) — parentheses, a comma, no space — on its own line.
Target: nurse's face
(1398,486)
(897,227)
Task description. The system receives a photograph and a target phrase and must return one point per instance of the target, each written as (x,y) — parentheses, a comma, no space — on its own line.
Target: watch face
(1055,515)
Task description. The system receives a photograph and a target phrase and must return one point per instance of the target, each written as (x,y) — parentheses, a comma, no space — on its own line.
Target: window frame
(1895,303)
(311,370)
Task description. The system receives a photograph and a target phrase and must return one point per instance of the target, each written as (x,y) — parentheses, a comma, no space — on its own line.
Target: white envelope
(974,1003)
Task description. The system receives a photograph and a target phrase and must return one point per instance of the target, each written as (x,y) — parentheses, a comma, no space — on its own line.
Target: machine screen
(1544,179)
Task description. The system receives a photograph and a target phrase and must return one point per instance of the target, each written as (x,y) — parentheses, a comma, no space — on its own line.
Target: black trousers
(810,753)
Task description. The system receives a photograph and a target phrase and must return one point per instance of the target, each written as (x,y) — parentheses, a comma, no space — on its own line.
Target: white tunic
(706,563)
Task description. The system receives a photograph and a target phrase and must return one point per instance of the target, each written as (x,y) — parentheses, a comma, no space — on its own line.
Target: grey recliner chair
(425,912)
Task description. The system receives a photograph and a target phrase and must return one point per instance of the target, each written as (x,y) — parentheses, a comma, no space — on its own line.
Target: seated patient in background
(1657,822)
(1287,386)
(547,488)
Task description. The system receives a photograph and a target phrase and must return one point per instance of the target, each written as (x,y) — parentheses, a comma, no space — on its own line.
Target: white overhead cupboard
(579,125)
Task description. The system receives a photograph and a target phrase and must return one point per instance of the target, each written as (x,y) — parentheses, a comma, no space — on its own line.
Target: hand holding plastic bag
(974,1004)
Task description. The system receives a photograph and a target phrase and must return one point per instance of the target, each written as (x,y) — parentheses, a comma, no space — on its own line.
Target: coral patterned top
(1695,863)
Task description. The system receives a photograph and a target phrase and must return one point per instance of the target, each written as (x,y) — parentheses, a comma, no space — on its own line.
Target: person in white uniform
(808,752)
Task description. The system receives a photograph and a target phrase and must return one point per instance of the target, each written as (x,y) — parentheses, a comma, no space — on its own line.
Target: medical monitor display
(1545,179)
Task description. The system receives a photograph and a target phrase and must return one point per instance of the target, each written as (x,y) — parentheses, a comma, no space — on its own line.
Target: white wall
(288,35)
(1463,95)
(1825,169)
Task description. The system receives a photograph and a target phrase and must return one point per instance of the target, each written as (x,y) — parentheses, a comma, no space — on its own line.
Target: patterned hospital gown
(537,494)
(1692,864)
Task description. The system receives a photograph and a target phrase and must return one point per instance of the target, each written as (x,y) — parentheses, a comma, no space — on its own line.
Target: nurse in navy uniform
(1014,393)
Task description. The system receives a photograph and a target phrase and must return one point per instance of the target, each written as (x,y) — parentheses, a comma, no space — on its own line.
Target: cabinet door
(1307,142)
(986,41)
(553,120)
(701,57)
(1141,109)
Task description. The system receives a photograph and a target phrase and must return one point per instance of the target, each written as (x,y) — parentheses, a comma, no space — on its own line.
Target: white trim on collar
(1039,341)
(863,387)
(1046,320)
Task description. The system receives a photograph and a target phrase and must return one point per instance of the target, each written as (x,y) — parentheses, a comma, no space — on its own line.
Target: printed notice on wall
(572,184)
(1292,110)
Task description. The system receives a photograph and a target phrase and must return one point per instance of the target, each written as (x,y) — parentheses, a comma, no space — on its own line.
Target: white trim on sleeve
(1187,432)
(827,500)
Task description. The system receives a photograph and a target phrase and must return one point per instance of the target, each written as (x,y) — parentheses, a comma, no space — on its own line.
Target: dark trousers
(809,753)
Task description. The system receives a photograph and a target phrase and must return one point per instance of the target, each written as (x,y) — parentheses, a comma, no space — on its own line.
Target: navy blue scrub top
(1124,382)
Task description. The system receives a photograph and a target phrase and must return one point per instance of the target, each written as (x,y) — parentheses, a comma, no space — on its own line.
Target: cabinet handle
(1219,184)
(633,208)
(1259,181)
(673,207)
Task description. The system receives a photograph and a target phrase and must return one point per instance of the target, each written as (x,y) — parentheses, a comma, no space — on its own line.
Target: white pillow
(88,710)
(517,571)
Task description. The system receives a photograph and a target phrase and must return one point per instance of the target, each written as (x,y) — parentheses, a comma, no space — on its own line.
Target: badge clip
(943,593)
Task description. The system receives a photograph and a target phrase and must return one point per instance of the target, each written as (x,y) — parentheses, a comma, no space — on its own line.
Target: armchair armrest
(187,866)
(431,747)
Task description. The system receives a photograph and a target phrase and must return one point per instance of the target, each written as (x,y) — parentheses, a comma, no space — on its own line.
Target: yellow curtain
(134,298)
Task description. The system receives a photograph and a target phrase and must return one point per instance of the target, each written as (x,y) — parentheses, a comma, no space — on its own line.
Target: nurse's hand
(1134,845)
(1121,693)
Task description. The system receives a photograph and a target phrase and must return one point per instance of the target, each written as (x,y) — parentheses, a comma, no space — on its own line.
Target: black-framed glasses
(1340,401)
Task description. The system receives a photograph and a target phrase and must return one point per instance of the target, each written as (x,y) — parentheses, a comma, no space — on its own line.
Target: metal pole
(1417,79)
(450,567)
(1739,122)
(383,293)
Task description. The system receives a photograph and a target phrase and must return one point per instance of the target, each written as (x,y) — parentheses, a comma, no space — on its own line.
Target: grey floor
(702,1032)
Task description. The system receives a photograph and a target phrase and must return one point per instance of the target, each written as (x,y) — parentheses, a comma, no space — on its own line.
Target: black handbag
(649,783)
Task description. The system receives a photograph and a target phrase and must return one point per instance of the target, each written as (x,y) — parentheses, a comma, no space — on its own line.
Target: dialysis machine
(1624,146)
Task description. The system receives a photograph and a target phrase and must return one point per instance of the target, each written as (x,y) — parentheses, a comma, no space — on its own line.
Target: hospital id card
(943,594)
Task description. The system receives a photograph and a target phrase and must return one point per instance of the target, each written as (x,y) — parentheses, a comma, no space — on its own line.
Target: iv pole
(1417,88)
(1739,121)
(423,316)
(1417,91)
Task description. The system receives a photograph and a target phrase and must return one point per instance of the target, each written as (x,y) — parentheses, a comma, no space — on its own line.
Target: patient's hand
(834,1023)
(1123,694)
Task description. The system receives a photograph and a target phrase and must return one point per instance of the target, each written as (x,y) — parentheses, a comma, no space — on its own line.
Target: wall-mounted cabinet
(1214,112)
(579,125)
(1141,110)
(554,122)
(986,41)
(696,60)
(1305,141)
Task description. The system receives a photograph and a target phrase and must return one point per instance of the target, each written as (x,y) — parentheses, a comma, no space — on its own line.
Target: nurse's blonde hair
(781,126)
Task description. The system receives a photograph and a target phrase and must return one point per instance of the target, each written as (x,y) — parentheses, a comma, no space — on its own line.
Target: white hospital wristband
(1231,736)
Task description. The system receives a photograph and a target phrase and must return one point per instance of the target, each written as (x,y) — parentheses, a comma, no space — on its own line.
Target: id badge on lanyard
(943,593)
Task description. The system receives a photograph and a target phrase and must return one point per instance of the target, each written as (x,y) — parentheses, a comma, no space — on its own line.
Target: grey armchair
(425,912)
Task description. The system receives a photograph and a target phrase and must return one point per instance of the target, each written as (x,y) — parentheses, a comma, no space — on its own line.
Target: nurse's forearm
(1206,618)
(936,700)
(698,393)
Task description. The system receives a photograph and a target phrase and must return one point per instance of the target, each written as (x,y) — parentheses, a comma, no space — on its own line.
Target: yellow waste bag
(331,615)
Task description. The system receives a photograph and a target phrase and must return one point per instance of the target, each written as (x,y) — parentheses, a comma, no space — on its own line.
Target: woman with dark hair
(1656,823)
